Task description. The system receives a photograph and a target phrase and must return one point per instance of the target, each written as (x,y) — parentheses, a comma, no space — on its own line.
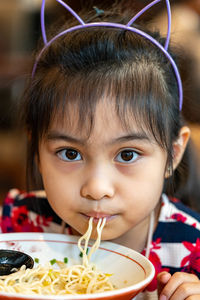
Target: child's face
(113,173)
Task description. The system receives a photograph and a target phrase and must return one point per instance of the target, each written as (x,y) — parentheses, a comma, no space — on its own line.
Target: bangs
(137,96)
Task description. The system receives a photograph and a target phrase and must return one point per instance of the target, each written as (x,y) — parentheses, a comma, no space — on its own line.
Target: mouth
(96,216)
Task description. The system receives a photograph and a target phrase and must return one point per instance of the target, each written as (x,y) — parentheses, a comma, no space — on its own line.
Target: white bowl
(132,272)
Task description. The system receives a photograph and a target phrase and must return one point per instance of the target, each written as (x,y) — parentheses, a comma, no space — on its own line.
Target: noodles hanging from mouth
(76,279)
(86,237)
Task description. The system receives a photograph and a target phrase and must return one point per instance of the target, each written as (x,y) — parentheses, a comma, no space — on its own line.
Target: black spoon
(11,259)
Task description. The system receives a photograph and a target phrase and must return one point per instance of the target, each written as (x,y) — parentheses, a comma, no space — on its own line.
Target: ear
(179,145)
(179,148)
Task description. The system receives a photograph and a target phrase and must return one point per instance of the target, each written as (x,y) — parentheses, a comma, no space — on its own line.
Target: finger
(193,297)
(185,290)
(162,279)
(178,279)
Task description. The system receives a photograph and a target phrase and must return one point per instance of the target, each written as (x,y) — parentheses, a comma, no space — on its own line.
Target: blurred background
(19,33)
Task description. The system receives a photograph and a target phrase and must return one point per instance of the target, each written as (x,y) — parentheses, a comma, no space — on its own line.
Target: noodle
(86,237)
(77,279)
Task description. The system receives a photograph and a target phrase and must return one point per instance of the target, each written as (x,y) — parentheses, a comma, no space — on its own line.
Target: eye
(127,156)
(69,155)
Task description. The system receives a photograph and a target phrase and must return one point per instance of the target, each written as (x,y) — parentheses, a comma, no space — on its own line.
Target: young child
(106,134)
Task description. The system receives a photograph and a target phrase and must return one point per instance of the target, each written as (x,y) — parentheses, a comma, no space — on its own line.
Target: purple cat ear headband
(116,25)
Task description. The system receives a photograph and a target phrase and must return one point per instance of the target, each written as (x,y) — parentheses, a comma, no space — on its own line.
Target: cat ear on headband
(128,26)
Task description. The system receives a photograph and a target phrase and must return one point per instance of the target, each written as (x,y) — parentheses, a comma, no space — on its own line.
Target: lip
(96,216)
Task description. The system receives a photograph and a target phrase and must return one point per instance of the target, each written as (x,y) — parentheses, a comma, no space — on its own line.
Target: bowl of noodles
(62,269)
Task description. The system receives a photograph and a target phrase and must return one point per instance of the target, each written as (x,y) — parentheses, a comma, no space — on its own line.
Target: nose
(98,185)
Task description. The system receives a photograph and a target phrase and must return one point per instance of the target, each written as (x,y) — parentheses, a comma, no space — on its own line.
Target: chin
(107,236)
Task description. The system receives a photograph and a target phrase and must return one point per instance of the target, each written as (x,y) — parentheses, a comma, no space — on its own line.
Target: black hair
(87,64)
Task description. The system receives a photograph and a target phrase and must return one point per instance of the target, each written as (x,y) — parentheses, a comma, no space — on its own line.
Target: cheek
(143,177)
(60,188)
(56,174)
(142,189)
(62,200)
(150,185)
(60,183)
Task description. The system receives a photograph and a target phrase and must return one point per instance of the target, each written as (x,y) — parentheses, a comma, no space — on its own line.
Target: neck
(136,238)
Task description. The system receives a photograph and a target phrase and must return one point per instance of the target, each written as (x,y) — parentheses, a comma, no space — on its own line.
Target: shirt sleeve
(29,212)
(18,214)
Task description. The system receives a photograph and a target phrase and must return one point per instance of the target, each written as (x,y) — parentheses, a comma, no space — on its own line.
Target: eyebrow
(130,137)
(55,136)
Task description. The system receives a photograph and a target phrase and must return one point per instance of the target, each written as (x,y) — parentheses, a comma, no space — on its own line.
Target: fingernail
(163,297)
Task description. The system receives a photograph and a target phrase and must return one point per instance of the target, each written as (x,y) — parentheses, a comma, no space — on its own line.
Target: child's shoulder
(177,222)
(178,208)
(27,211)
(176,240)
(19,195)
(17,200)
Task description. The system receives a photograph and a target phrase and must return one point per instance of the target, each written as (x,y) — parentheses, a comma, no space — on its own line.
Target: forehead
(103,120)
